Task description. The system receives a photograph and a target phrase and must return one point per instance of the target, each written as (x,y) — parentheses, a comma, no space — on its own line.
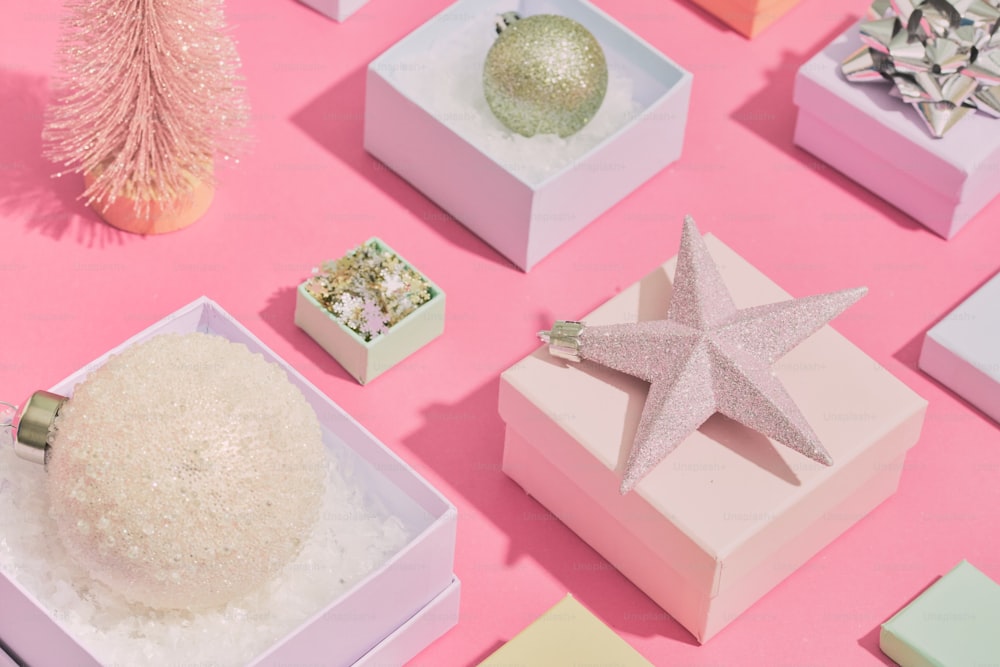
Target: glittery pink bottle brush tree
(148,98)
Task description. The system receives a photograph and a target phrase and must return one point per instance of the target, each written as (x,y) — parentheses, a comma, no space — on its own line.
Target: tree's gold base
(163,217)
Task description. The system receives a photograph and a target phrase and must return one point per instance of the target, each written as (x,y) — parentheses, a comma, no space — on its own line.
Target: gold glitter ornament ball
(545,74)
(185,472)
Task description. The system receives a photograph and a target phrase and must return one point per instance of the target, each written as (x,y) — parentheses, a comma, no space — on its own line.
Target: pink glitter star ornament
(706,356)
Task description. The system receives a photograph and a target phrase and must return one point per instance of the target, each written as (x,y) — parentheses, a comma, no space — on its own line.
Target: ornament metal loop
(31,430)
(564,340)
(506,20)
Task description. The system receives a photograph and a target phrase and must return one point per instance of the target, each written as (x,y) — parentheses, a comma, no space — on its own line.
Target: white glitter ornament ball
(545,74)
(185,472)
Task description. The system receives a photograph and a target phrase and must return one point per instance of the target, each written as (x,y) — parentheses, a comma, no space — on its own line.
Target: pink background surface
(72,288)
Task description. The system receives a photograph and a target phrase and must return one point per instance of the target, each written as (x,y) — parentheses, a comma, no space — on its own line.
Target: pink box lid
(892,128)
(730,494)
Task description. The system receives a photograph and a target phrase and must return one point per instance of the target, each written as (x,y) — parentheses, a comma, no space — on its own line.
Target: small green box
(954,623)
(367,359)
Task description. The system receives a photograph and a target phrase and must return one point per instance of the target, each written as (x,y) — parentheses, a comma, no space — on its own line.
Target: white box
(395,611)
(338,10)
(962,351)
(880,142)
(409,639)
(524,221)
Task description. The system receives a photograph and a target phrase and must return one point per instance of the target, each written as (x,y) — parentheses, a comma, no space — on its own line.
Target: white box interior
(362,616)
(525,197)
(439,67)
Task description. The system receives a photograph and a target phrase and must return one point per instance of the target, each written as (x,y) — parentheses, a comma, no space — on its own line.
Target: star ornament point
(706,356)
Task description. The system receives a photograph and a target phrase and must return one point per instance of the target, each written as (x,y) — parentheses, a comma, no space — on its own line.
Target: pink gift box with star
(728,513)
(881,143)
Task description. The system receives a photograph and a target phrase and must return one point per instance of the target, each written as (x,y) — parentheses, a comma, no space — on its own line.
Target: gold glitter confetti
(369,289)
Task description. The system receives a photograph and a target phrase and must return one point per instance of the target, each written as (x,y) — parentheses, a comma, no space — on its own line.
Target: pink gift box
(386,618)
(729,514)
(338,10)
(521,220)
(880,142)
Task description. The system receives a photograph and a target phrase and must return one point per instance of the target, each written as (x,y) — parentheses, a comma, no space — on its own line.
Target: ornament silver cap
(506,20)
(33,423)
(564,339)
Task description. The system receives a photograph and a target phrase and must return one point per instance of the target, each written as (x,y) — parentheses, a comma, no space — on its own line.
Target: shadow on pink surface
(443,443)
(28,190)
(870,641)
(488,652)
(771,115)
(335,121)
(279,313)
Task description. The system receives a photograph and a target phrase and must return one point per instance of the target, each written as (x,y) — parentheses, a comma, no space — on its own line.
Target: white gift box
(459,166)
(729,514)
(386,618)
(881,143)
(962,351)
(338,10)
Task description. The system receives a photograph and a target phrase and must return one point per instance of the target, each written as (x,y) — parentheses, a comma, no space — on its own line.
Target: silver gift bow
(943,56)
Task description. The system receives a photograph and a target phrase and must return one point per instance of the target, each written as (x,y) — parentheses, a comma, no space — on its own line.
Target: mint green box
(366,360)
(954,623)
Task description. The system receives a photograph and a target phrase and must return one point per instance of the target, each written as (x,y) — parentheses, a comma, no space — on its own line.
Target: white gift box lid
(963,350)
(883,144)
(892,128)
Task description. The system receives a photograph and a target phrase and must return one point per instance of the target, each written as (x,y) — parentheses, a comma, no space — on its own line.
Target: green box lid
(954,623)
